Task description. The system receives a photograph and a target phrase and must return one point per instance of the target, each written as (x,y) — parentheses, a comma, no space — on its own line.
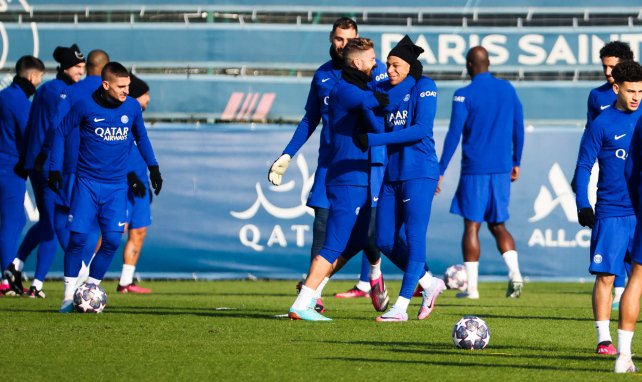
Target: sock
(319,290)
(70,287)
(4,282)
(83,274)
(510,258)
(618,294)
(375,271)
(304,298)
(624,338)
(603,331)
(37,284)
(19,264)
(363,286)
(472,271)
(91,280)
(127,275)
(426,281)
(401,304)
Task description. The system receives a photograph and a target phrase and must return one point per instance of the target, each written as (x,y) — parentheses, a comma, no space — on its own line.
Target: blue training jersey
(316,109)
(105,138)
(606,139)
(409,131)
(349,164)
(49,107)
(14,113)
(599,99)
(488,115)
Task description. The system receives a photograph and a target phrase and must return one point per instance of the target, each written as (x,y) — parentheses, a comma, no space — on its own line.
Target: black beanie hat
(137,87)
(406,50)
(68,57)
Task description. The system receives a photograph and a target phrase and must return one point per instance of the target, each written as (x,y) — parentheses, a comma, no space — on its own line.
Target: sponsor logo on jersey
(112,133)
(398,118)
(428,93)
(459,98)
(381,77)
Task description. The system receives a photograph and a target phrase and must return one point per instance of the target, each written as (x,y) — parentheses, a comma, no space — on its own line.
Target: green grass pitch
(227,331)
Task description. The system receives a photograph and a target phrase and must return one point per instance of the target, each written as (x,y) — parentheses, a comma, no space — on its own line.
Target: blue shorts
(611,241)
(348,221)
(139,212)
(482,198)
(93,201)
(318,197)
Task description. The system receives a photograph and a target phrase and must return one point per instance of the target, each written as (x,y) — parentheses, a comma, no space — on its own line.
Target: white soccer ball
(90,298)
(471,333)
(456,277)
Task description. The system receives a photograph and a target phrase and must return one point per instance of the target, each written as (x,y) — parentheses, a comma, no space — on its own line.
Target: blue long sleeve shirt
(409,131)
(488,115)
(49,106)
(14,113)
(105,138)
(632,168)
(606,139)
(599,99)
(316,109)
(349,165)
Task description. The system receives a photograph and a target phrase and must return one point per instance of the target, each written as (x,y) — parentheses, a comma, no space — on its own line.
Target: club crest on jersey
(124,119)
(406,98)
(112,133)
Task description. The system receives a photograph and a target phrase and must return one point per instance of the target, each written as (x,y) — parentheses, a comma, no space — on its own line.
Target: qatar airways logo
(398,118)
(112,133)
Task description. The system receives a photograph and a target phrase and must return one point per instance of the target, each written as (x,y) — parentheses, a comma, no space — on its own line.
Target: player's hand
(55,180)
(39,162)
(362,141)
(438,189)
(136,185)
(382,98)
(275,175)
(19,170)
(156,179)
(514,175)
(586,217)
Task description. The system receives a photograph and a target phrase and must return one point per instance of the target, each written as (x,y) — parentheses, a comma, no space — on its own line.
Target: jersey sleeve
(590,146)
(142,140)
(458,117)
(592,109)
(308,124)
(55,139)
(421,125)
(518,131)
(632,167)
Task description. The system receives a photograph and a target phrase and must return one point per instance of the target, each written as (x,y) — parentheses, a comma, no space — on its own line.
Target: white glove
(278,169)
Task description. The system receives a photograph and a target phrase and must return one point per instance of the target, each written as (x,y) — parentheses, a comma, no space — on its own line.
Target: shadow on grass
(564,368)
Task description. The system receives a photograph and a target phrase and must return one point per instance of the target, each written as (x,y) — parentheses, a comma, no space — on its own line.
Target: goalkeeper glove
(278,169)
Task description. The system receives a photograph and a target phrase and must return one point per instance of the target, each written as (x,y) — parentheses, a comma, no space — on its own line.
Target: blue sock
(365,269)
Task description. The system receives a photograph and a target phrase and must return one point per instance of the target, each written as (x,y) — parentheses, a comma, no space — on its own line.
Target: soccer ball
(456,277)
(471,333)
(90,298)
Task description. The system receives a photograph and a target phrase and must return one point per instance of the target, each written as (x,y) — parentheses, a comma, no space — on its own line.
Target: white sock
(375,270)
(401,304)
(91,280)
(618,294)
(472,271)
(304,298)
(624,338)
(70,287)
(510,258)
(127,275)
(603,331)
(426,281)
(4,282)
(19,264)
(319,290)
(37,284)
(363,286)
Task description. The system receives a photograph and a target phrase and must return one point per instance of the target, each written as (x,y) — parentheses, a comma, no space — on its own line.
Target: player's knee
(111,240)
(137,236)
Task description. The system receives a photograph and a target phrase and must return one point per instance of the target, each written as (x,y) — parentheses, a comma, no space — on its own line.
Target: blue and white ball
(456,277)
(90,298)
(471,333)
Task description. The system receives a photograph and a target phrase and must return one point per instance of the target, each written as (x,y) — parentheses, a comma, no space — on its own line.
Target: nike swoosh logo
(604,107)
(325,79)
(99,119)
(405,200)
(375,199)
(617,137)
(121,224)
